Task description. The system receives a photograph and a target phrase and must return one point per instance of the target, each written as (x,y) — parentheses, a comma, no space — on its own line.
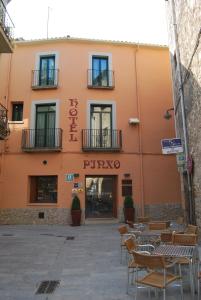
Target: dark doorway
(100,196)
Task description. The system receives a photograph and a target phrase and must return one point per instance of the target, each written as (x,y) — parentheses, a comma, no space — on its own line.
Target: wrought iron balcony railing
(100,79)
(4,129)
(42,139)
(5,21)
(101,140)
(45,79)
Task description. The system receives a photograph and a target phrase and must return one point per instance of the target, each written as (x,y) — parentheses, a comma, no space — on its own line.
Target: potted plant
(129,210)
(76,211)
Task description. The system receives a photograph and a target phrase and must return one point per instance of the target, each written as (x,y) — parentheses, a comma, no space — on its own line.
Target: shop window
(127,187)
(17,111)
(43,189)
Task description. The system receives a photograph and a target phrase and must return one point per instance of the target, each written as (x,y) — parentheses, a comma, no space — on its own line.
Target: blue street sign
(171,146)
(69,177)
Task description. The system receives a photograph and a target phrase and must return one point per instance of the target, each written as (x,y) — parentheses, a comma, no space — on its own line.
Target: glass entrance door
(100,196)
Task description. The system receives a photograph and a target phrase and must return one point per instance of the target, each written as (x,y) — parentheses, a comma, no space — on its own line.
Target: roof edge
(86,40)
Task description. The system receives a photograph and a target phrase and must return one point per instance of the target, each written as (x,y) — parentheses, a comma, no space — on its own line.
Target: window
(127,187)
(47,70)
(45,125)
(100,72)
(43,189)
(101,126)
(17,112)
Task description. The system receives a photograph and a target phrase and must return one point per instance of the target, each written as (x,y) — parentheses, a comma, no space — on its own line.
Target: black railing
(100,79)
(4,129)
(42,79)
(101,140)
(5,21)
(42,139)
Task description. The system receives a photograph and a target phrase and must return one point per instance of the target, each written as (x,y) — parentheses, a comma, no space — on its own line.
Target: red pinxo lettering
(109,164)
(93,164)
(101,164)
(86,163)
(117,164)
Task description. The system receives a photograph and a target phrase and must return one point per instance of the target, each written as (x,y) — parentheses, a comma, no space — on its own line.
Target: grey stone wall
(31,216)
(167,211)
(188,22)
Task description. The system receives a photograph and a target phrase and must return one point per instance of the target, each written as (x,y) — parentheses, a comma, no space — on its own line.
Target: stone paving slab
(87,267)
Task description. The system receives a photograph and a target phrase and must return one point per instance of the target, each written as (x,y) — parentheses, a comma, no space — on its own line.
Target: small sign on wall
(77,185)
(69,177)
(172,146)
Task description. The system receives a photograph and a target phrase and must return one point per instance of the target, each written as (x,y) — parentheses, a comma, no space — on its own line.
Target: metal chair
(166,237)
(191,229)
(184,239)
(132,245)
(158,225)
(157,276)
(125,234)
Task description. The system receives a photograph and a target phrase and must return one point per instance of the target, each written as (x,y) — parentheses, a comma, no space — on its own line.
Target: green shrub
(128,202)
(75,203)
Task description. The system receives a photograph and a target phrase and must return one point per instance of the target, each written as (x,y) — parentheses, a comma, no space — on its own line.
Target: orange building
(86,117)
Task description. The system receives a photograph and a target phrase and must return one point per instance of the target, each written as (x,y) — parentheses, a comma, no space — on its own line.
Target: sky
(123,20)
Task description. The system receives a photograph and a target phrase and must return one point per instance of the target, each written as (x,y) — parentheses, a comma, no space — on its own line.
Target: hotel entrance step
(101,221)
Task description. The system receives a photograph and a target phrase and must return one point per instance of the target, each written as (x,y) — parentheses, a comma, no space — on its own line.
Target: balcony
(4,129)
(45,79)
(100,79)
(6,30)
(40,140)
(101,140)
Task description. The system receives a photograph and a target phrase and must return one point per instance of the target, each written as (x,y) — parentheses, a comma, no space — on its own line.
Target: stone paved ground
(87,267)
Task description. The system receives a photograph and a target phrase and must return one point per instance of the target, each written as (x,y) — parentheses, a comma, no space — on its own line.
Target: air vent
(70,237)
(47,287)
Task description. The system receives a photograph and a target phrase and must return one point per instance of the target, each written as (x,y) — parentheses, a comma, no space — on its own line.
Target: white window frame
(51,53)
(33,116)
(102,102)
(100,54)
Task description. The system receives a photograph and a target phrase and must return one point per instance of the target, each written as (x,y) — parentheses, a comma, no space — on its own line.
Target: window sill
(43,204)
(15,122)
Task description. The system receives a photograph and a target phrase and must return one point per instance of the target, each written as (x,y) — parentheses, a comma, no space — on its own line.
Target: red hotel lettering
(73,119)
(73,127)
(72,138)
(73,102)
(73,113)
(101,164)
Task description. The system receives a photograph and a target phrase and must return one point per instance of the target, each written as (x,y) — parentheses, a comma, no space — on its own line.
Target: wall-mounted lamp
(168,115)
(133,121)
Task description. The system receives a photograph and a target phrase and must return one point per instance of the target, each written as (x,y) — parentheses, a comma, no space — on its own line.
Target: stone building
(184,24)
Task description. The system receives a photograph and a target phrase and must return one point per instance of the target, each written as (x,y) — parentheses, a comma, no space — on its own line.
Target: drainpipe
(139,134)
(183,113)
